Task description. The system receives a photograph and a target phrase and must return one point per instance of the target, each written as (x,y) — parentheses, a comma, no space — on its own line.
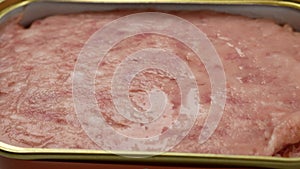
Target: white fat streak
(238,50)
(222,37)
(239,79)
(229,44)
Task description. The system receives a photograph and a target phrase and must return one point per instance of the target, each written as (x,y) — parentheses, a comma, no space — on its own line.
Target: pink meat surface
(261,61)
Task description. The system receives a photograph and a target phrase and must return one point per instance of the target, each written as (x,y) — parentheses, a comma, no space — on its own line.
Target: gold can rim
(15,152)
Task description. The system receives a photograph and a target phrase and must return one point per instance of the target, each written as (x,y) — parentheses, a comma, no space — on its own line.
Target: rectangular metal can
(287,12)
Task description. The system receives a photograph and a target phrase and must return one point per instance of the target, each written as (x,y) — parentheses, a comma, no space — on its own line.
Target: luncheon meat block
(261,61)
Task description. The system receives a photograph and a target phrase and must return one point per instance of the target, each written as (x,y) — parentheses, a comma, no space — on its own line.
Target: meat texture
(261,61)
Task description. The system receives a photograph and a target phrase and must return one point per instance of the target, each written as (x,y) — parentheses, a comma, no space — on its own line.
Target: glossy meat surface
(261,61)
